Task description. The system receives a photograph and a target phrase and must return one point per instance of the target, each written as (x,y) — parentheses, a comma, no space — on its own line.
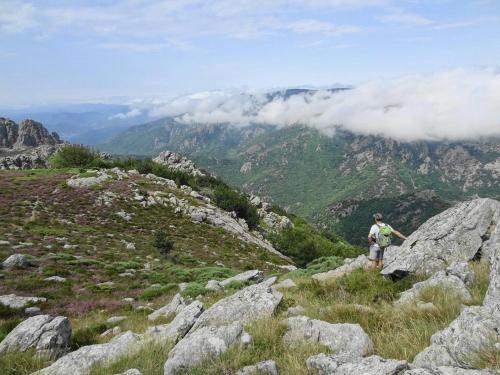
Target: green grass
(22,363)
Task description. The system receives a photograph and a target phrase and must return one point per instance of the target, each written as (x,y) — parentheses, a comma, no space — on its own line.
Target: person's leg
(373,255)
(381,258)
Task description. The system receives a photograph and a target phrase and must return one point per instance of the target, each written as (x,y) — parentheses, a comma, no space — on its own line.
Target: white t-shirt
(374,230)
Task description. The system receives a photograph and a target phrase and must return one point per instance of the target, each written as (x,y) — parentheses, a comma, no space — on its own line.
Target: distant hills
(336,181)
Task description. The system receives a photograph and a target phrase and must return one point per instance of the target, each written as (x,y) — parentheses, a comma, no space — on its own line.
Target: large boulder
(350,264)
(173,307)
(44,333)
(476,328)
(323,364)
(246,305)
(81,361)
(252,275)
(261,368)
(178,327)
(340,338)
(457,234)
(19,302)
(440,279)
(462,270)
(201,345)
(178,162)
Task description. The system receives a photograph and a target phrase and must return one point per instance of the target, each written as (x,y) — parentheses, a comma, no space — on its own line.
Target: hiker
(379,239)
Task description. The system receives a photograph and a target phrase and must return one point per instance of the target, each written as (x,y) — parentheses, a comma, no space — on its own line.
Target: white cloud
(455,104)
(409,19)
(134,112)
(16,16)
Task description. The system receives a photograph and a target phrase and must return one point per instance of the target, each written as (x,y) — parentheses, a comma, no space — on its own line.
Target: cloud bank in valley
(456,104)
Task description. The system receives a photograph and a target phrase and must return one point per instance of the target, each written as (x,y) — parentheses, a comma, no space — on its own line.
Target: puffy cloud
(455,104)
(134,112)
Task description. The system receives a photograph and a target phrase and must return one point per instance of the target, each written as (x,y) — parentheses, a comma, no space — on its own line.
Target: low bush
(162,243)
(74,156)
(193,290)
(152,293)
(322,264)
(232,200)
(87,335)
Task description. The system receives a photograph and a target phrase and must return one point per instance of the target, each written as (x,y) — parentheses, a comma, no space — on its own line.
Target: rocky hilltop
(224,300)
(27,145)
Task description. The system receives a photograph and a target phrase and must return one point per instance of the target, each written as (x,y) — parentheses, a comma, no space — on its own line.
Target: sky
(54,51)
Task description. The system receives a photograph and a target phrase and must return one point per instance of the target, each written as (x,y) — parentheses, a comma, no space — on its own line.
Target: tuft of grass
(149,360)
(7,326)
(481,281)
(152,293)
(22,363)
(87,335)
(488,358)
(193,290)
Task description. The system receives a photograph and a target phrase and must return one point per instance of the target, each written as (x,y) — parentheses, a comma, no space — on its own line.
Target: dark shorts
(376,253)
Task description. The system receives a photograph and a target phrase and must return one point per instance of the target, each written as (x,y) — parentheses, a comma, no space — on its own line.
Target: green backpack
(384,236)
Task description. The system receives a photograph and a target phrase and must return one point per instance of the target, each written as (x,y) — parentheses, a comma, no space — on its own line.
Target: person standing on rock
(379,239)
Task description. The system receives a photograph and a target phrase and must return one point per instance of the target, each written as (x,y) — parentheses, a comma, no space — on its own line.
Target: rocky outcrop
(261,368)
(350,264)
(340,338)
(43,333)
(475,329)
(81,361)
(26,146)
(178,162)
(457,234)
(323,364)
(132,371)
(450,283)
(201,345)
(179,326)
(18,302)
(247,305)
(175,306)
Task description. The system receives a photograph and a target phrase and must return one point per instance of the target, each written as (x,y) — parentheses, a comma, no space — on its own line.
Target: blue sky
(69,51)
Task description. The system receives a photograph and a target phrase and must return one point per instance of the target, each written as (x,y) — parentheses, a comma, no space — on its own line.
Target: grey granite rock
(246,305)
(261,368)
(175,306)
(252,275)
(44,333)
(323,364)
(201,345)
(17,260)
(18,302)
(340,338)
(350,264)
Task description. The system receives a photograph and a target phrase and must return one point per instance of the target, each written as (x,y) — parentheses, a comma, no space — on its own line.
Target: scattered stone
(252,275)
(183,286)
(447,370)
(178,162)
(17,260)
(3,242)
(214,285)
(286,284)
(350,264)
(456,234)
(261,368)
(68,246)
(132,371)
(124,215)
(57,279)
(86,182)
(426,306)
(44,333)
(179,326)
(174,307)
(32,311)
(18,302)
(126,274)
(106,283)
(323,364)
(116,319)
(128,299)
(340,338)
(246,305)
(112,331)
(201,345)
(246,339)
(81,361)
(450,283)
(295,311)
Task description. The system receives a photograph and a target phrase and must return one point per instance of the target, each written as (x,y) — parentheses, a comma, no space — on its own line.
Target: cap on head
(378,216)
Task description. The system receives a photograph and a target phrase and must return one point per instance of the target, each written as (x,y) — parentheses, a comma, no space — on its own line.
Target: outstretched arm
(398,234)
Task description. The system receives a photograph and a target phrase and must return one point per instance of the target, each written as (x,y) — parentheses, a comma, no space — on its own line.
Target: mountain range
(335,181)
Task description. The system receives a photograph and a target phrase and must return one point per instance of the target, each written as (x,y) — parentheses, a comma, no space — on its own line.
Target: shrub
(151,293)
(231,200)
(162,242)
(74,156)
(193,290)
(87,336)
(322,264)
